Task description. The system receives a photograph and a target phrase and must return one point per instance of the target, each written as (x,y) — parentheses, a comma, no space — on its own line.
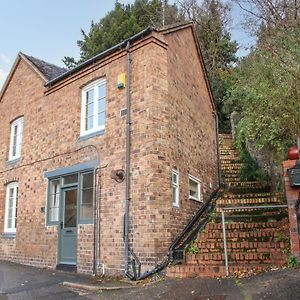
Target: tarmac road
(23,282)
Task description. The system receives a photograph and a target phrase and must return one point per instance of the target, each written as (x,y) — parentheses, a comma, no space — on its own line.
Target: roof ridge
(48,70)
(174,26)
(48,63)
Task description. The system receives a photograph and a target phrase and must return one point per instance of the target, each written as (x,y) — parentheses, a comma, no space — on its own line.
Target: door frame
(63,189)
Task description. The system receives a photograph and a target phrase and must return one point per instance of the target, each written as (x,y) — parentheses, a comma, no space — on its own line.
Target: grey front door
(67,248)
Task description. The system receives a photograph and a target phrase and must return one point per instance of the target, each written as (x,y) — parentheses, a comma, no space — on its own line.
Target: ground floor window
(194,188)
(175,188)
(83,183)
(11,203)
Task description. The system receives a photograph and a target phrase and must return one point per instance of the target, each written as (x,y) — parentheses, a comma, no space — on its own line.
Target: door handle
(61,225)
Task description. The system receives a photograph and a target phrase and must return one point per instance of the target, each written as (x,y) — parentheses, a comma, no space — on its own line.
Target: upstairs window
(11,208)
(93,108)
(16,135)
(194,188)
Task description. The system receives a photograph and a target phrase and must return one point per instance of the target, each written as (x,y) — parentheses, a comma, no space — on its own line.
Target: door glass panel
(70,208)
(71,179)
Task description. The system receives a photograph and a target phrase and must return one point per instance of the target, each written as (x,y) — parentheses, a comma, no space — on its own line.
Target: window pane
(54,208)
(16,208)
(90,97)
(73,178)
(175,178)
(194,188)
(89,123)
(54,186)
(87,180)
(70,208)
(11,207)
(101,91)
(15,136)
(90,109)
(101,119)
(174,196)
(54,200)
(16,139)
(9,223)
(87,192)
(101,105)
(87,204)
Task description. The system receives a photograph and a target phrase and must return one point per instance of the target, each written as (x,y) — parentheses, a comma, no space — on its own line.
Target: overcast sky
(49,29)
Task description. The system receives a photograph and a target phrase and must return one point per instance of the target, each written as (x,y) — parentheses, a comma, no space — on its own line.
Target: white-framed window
(93,107)
(54,199)
(175,188)
(11,203)
(194,188)
(16,136)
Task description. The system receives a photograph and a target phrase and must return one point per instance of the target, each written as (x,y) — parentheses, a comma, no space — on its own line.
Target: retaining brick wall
(292,195)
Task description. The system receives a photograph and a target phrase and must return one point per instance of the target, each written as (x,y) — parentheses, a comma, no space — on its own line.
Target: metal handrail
(238,208)
(188,233)
(182,240)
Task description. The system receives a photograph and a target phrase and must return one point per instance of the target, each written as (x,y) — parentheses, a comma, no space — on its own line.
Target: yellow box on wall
(121,81)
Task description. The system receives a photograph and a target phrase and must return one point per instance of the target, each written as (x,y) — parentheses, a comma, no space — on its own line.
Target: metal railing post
(225,242)
(240,208)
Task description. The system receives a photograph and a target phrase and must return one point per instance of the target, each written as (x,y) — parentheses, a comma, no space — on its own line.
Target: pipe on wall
(96,221)
(127,158)
(215,114)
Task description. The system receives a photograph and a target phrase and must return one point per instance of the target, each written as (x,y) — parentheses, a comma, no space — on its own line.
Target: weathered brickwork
(292,196)
(172,127)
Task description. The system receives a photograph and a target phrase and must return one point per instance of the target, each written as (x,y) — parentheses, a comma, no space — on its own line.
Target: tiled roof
(50,71)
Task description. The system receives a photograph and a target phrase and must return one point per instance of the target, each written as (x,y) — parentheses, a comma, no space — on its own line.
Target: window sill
(195,199)
(87,222)
(13,161)
(90,135)
(52,224)
(9,235)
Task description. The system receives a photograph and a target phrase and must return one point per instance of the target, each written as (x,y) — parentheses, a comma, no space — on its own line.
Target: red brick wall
(172,126)
(191,130)
(292,195)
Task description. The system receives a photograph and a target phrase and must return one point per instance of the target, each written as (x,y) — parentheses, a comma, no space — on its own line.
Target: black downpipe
(96,232)
(127,160)
(135,261)
(218,147)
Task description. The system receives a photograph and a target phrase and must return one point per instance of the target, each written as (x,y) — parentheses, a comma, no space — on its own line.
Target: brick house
(68,137)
